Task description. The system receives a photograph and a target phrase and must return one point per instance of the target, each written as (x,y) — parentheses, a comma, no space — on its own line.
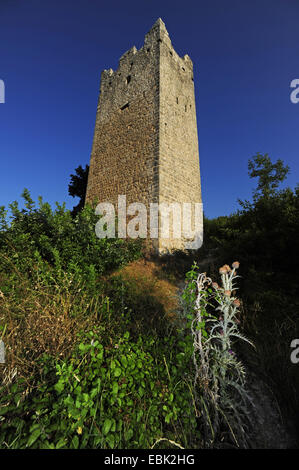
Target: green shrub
(263,236)
(111,393)
(38,235)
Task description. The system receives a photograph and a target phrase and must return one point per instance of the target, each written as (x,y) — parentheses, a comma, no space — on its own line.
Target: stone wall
(145,141)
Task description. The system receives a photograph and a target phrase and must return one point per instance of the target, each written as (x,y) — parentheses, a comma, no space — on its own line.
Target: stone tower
(145,141)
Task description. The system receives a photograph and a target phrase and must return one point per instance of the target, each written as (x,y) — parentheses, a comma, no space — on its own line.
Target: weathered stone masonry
(145,142)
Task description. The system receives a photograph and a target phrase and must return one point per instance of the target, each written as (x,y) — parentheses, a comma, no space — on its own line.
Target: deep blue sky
(245,54)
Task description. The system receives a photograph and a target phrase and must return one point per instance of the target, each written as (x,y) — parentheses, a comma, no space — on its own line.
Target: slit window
(128,79)
(125,106)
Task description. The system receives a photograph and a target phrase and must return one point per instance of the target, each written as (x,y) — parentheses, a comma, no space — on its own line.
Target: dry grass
(148,277)
(41,320)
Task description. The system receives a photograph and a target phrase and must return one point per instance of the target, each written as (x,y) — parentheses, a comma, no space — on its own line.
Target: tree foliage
(263,236)
(78,186)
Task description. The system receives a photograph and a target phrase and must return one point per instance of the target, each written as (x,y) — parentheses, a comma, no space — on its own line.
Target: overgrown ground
(106,348)
(99,352)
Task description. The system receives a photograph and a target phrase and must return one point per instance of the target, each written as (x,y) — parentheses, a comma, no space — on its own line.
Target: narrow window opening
(177,101)
(170,53)
(185,108)
(125,106)
(183,69)
(147,50)
(128,79)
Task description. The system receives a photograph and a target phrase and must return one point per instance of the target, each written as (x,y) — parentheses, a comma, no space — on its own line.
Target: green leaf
(129,434)
(33,437)
(111,440)
(75,442)
(124,361)
(107,426)
(61,443)
(139,415)
(59,387)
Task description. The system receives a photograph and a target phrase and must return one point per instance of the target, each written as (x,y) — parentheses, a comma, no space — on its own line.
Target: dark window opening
(147,50)
(177,101)
(128,79)
(185,108)
(170,53)
(183,69)
(124,106)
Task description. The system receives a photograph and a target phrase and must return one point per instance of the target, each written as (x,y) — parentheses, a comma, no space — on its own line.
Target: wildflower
(231,352)
(215,285)
(79,430)
(235,264)
(237,303)
(227,292)
(224,270)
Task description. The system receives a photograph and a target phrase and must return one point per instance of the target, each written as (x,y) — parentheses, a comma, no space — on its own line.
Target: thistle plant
(219,379)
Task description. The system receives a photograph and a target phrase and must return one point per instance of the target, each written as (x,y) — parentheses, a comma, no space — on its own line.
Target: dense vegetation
(263,236)
(93,361)
(81,370)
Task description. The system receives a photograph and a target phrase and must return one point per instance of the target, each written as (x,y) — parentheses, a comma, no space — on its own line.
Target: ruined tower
(145,141)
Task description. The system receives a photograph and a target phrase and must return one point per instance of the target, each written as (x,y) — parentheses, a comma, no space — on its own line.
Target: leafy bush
(37,235)
(111,393)
(125,383)
(263,235)
(51,269)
